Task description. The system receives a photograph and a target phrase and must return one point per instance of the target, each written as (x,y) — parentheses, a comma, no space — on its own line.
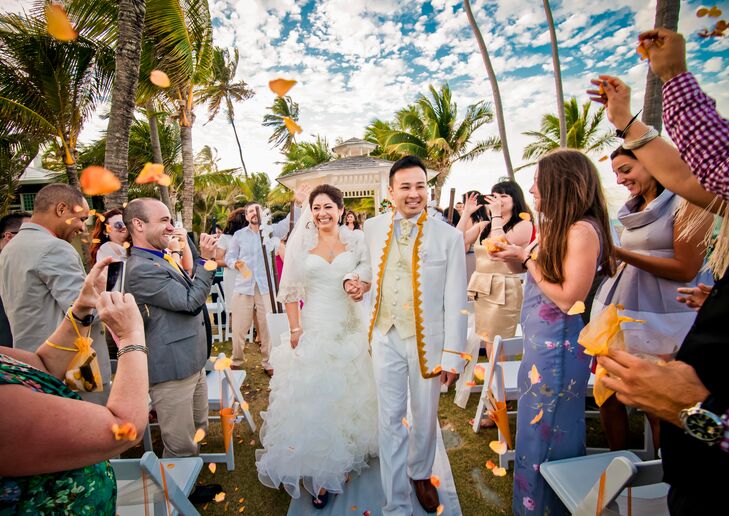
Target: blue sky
(360,59)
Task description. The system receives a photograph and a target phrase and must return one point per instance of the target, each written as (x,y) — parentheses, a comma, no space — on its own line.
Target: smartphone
(115,277)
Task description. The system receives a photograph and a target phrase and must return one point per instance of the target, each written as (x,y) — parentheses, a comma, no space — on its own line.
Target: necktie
(405,228)
(172,262)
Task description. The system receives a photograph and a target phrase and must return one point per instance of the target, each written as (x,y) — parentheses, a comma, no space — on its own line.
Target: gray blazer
(40,276)
(171,307)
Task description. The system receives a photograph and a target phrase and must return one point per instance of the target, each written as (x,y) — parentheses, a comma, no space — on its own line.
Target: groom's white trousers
(403,453)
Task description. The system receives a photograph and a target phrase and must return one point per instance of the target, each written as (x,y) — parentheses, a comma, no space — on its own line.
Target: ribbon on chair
(497,409)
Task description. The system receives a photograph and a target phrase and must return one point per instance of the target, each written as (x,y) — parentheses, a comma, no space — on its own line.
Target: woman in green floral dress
(55,447)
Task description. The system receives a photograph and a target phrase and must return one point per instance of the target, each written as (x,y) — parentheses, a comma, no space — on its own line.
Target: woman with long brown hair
(108,237)
(574,243)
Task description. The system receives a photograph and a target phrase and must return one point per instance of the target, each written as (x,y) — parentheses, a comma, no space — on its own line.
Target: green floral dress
(88,490)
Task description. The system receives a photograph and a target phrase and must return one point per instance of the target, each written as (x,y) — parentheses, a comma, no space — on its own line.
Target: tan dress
(498,294)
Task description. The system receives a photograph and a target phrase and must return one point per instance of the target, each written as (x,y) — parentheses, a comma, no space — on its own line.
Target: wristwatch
(703,424)
(87,320)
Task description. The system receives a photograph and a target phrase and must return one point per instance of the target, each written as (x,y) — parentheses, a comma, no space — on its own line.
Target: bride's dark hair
(334,193)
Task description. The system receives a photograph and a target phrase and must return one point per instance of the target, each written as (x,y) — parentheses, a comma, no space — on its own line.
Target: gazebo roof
(35,174)
(343,164)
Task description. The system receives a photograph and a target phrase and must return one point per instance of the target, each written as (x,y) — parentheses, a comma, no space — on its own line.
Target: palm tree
(306,155)
(583,132)
(48,88)
(16,153)
(494,88)
(221,87)
(282,107)
(430,130)
(666,16)
(178,41)
(123,97)
(557,75)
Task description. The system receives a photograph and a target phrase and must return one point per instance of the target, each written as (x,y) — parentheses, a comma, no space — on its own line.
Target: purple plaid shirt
(699,132)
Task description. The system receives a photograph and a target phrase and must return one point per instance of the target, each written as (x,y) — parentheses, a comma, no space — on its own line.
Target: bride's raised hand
(295,336)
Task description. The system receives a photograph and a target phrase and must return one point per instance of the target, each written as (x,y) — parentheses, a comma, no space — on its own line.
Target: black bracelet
(131,347)
(529,257)
(621,134)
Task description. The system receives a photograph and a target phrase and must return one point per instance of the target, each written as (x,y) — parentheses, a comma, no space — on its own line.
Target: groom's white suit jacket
(439,289)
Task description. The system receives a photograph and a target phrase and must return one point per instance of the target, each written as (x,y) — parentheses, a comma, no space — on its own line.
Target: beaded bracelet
(131,347)
(649,135)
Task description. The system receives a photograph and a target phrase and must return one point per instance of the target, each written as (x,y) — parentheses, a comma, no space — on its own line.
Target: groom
(417,332)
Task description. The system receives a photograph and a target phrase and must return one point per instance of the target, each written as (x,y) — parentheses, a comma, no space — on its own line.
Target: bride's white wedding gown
(321,421)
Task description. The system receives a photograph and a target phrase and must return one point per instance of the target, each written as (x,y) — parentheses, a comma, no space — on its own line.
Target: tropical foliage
(430,129)
(48,88)
(283,107)
(306,155)
(583,132)
(222,87)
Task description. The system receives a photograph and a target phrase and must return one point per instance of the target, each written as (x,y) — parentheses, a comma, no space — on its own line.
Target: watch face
(704,425)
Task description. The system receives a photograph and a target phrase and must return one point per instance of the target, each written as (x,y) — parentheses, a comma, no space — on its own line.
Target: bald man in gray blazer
(171,303)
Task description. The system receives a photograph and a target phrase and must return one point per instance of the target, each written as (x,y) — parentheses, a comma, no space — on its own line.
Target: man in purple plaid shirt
(690,394)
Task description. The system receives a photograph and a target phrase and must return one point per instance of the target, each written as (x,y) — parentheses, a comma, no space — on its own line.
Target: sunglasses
(119,226)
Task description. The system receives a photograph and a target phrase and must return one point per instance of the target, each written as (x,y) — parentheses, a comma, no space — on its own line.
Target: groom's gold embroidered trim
(417,302)
(380,274)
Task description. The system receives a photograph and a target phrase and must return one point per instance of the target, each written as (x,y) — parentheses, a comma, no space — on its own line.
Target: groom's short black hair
(407,162)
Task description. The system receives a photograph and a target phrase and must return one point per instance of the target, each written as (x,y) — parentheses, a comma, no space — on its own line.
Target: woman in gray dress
(655,262)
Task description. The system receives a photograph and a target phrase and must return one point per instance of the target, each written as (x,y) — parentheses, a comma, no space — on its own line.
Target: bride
(321,422)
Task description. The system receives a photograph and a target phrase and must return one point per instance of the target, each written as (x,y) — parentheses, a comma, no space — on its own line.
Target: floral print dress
(89,490)
(553,380)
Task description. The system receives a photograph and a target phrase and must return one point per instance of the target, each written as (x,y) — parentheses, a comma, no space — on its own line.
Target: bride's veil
(301,240)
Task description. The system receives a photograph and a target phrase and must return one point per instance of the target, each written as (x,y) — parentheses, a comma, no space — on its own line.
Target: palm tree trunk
(128,51)
(188,171)
(72,175)
(240,149)
(667,17)
(498,108)
(557,76)
(164,192)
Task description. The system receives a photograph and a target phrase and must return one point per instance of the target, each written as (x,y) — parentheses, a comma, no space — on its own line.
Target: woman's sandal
(319,502)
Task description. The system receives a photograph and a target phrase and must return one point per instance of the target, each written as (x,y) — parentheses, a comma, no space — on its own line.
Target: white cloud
(715,64)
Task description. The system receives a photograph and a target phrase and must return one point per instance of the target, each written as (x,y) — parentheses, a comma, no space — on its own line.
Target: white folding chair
(148,485)
(216,309)
(577,482)
(278,324)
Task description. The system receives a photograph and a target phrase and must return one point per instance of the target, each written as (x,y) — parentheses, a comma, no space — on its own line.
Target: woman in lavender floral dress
(574,243)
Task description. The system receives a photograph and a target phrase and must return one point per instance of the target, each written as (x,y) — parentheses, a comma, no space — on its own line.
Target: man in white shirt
(245,254)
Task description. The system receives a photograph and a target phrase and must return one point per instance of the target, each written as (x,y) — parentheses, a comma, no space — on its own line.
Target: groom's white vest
(438,286)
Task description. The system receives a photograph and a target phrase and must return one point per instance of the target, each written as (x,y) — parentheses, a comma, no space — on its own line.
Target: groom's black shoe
(427,494)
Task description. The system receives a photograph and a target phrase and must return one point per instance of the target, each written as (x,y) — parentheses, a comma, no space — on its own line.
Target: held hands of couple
(355,288)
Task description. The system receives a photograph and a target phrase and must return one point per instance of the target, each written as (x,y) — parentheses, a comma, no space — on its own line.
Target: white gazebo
(355,172)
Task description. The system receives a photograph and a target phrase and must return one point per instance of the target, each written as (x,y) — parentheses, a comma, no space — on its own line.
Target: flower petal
(281,86)
(159,78)
(98,181)
(58,24)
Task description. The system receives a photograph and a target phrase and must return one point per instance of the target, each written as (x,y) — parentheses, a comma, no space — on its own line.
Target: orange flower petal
(219,497)
(159,78)
(490,464)
(171,465)
(577,308)
(604,158)
(92,213)
(466,356)
(537,418)
(470,384)
(479,372)
(96,241)
(100,217)
(525,216)
(439,510)
(405,423)
(642,51)
(281,86)
(435,480)
(222,363)
(494,245)
(292,126)
(98,181)
(499,472)
(244,405)
(199,435)
(164,180)
(353,508)
(77,209)
(498,447)
(703,11)
(534,375)
(437,369)
(150,173)
(124,432)
(126,245)
(212,467)
(68,221)
(714,12)
(210,265)
(58,24)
